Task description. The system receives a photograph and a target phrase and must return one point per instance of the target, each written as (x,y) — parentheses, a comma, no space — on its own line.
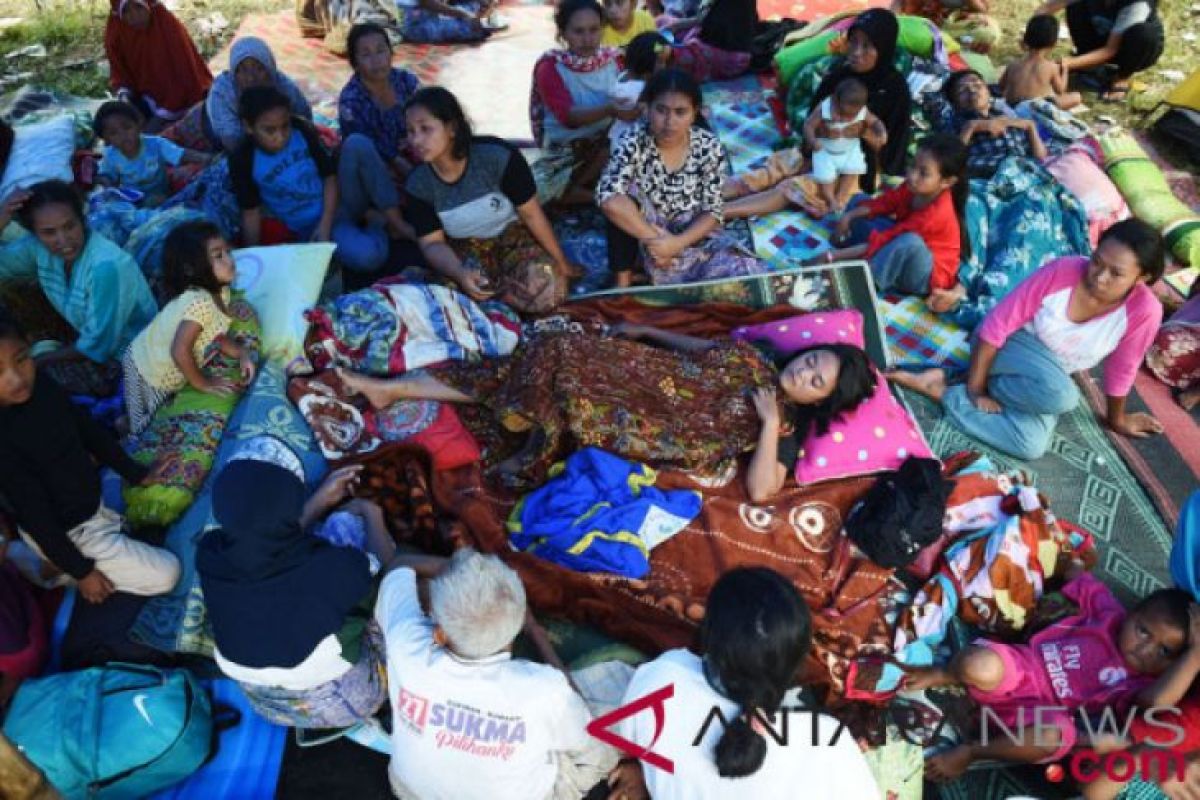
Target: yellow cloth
(642,23)
(151,350)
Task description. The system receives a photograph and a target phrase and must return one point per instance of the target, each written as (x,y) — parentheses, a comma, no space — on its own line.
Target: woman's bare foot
(624,279)
(380,393)
(940,301)
(1189,399)
(948,765)
(918,678)
(931,382)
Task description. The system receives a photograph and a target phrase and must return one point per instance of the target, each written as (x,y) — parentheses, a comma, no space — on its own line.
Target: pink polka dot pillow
(789,335)
(876,436)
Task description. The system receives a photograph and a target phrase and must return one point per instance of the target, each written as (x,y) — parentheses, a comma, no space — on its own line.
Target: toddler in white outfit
(835,131)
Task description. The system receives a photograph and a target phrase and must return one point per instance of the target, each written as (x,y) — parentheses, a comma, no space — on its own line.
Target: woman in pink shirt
(1067,317)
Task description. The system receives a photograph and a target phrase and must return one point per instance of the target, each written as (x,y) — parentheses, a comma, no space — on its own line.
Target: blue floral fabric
(1017,220)
(211,193)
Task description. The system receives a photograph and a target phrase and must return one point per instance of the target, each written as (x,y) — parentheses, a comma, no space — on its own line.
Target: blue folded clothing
(600,513)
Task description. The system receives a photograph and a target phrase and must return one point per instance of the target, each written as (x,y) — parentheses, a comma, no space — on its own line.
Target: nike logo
(139,702)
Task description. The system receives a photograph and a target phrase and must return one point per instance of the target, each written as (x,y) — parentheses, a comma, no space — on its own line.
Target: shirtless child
(1035,76)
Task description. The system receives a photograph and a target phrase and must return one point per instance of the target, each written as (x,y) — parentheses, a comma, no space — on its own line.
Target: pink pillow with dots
(876,436)
(789,335)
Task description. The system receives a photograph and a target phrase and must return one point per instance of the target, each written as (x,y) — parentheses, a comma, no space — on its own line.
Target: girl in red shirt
(915,245)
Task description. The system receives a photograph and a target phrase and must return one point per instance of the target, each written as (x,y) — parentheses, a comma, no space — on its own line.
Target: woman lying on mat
(96,286)
(1125,33)
(372,101)
(251,63)
(290,600)
(687,403)
(570,107)
(1067,317)
(661,193)
(474,206)
(755,636)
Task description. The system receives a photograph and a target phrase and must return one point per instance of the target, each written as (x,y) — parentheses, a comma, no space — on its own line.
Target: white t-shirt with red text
(465,729)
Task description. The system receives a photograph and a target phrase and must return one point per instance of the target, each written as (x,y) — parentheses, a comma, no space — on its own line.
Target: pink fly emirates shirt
(1083,667)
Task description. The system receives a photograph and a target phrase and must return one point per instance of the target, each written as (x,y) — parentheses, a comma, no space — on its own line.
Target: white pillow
(282,282)
(40,152)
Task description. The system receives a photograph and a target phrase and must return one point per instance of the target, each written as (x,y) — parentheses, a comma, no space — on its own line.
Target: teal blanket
(1018,220)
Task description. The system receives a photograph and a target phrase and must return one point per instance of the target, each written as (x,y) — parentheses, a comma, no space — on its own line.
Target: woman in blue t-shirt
(473,204)
(283,175)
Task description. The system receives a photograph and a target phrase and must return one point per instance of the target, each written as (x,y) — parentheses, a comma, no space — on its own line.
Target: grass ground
(1183,28)
(72,32)
(73,35)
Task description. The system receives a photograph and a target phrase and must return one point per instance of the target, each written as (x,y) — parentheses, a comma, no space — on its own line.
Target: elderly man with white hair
(469,720)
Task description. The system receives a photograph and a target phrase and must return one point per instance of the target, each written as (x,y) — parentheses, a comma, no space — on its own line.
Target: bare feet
(1189,399)
(948,765)
(380,393)
(940,301)
(918,678)
(624,279)
(931,382)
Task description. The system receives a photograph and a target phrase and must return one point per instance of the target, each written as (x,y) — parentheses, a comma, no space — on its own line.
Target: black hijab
(273,591)
(888,97)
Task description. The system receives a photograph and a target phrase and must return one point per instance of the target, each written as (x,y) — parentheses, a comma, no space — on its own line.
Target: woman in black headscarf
(290,610)
(870,57)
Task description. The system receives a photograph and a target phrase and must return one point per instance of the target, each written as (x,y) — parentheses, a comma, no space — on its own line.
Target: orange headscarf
(160,61)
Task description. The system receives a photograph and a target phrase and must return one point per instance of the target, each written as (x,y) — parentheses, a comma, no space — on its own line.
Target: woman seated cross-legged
(96,286)
(661,193)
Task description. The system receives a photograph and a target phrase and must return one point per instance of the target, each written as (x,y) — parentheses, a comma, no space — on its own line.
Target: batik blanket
(182,439)
(1017,220)
(391,328)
